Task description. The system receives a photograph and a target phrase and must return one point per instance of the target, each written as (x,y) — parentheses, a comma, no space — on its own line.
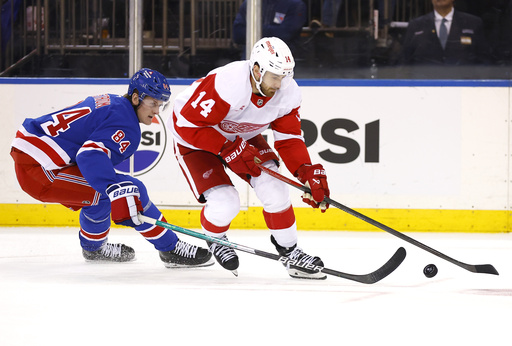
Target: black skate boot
(186,255)
(110,253)
(226,256)
(296,254)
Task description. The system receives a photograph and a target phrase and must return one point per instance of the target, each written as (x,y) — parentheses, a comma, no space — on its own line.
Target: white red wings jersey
(222,106)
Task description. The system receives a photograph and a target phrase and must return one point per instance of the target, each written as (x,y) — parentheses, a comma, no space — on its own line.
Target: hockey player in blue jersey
(68,157)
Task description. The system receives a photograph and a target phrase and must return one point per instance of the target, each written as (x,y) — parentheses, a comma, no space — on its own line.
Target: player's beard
(268,91)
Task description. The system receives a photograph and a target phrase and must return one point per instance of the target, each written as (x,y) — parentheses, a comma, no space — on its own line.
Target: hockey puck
(430,270)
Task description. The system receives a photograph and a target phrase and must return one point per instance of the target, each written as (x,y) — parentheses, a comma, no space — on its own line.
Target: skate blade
(180,266)
(108,261)
(297,274)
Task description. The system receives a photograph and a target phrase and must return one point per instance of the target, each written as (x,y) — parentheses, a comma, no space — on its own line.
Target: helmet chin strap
(258,84)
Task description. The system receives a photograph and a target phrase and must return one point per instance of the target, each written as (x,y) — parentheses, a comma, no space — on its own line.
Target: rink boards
(415,155)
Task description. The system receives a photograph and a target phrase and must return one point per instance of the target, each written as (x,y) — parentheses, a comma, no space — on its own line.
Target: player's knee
(95,218)
(276,202)
(273,194)
(222,204)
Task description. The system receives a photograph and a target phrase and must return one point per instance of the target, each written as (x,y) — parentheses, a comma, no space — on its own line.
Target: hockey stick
(370,278)
(479,268)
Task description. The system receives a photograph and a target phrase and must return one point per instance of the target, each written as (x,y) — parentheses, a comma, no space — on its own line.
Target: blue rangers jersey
(96,134)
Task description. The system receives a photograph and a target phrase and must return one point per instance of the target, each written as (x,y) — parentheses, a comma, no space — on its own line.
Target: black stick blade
(373,277)
(485,269)
(390,265)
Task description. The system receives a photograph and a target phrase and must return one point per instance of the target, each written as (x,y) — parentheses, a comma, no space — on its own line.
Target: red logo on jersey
(233,127)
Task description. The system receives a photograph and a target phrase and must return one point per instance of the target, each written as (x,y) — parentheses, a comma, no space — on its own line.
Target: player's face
(271,83)
(148,108)
(442,4)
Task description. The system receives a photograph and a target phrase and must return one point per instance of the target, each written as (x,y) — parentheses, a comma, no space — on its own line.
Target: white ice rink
(50,296)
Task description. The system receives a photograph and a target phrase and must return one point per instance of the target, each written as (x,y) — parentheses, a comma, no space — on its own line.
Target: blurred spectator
(330,12)
(280,18)
(333,12)
(464,41)
(497,18)
(391,10)
(9,7)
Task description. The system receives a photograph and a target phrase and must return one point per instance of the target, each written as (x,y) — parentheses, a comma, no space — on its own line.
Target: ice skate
(296,254)
(186,255)
(226,256)
(110,253)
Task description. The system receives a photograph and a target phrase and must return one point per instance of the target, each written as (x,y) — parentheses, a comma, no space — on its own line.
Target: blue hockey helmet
(150,83)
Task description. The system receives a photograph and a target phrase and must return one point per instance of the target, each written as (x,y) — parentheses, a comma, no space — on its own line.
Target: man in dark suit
(445,37)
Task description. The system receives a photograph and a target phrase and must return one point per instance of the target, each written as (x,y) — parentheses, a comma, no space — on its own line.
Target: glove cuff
(122,190)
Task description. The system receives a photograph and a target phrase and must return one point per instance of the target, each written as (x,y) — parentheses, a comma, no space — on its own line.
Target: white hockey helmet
(272,55)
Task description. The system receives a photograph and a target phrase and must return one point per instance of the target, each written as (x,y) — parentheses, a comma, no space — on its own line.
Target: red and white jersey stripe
(42,148)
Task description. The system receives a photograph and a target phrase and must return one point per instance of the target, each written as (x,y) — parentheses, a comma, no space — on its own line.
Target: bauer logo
(150,150)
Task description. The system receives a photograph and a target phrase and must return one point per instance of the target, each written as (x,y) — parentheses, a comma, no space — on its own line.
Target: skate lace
(111,250)
(185,249)
(299,255)
(224,253)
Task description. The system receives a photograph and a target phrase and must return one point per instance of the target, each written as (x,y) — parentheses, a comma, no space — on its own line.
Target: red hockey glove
(125,203)
(239,155)
(313,176)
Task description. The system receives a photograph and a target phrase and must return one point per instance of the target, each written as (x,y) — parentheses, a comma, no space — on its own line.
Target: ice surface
(50,296)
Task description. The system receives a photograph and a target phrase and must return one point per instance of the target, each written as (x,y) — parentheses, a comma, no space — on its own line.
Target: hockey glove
(239,156)
(125,203)
(313,176)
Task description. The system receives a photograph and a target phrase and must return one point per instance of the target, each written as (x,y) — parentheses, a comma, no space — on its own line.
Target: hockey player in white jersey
(68,157)
(218,121)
